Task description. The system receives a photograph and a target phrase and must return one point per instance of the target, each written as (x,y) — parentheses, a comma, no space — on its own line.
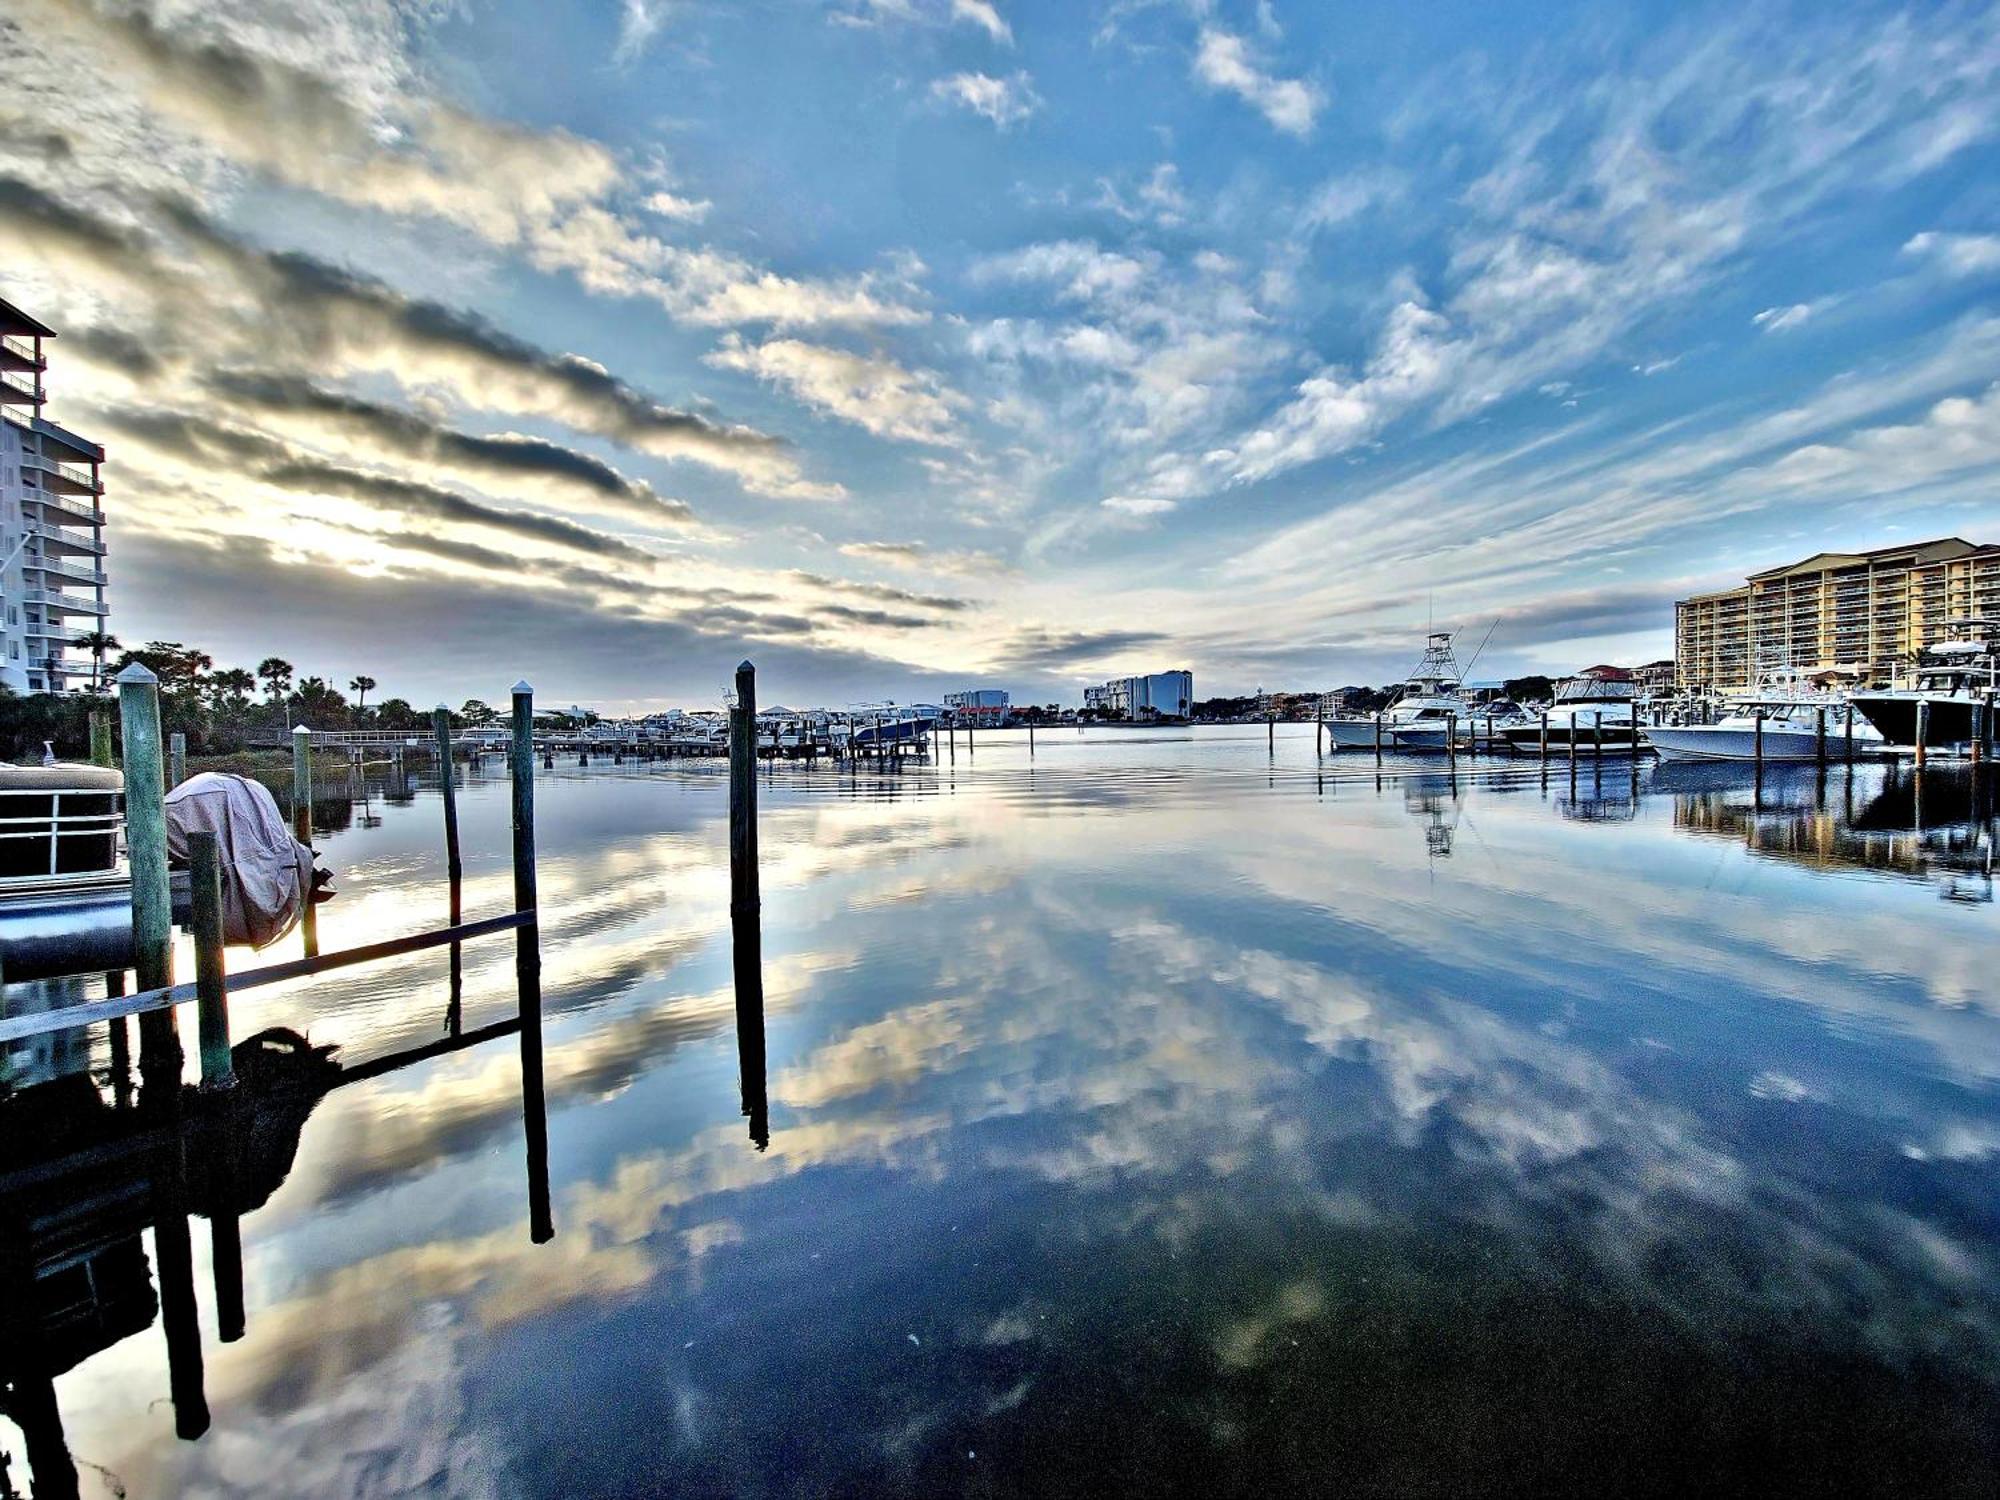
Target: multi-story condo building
(1162,695)
(1863,614)
(51,525)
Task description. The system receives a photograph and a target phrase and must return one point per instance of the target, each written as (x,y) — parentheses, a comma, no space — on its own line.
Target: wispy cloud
(1225,61)
(871,391)
(1957,254)
(1004,101)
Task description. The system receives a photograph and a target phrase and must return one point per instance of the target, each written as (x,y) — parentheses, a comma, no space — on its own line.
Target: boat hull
(1711,742)
(1895,715)
(1355,734)
(1527,738)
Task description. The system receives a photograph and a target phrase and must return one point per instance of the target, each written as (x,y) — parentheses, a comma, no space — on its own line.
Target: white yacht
(1953,678)
(1598,704)
(1793,715)
(1424,706)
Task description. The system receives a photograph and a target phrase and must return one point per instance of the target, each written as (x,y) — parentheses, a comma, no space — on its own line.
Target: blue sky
(902,344)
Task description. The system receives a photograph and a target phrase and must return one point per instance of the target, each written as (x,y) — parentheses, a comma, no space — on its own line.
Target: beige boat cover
(267,875)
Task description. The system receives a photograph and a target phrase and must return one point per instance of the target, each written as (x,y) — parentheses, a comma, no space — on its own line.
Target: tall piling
(454,868)
(211,995)
(302,825)
(743,894)
(1923,727)
(100,739)
(146,853)
(177,759)
(528,962)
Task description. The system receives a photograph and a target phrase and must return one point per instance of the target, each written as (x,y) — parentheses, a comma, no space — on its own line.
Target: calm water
(1161,1113)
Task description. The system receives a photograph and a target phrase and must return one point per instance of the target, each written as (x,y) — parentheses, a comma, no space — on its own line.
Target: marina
(1418,1055)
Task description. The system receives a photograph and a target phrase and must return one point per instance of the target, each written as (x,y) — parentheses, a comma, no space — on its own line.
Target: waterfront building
(51,524)
(1655,678)
(1160,695)
(978,705)
(1863,615)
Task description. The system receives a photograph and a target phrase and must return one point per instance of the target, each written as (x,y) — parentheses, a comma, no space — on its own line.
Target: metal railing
(84,515)
(81,475)
(54,826)
(23,347)
(74,604)
(29,390)
(74,571)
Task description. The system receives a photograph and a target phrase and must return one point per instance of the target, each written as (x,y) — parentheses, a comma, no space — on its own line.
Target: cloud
(386,431)
(1225,62)
(1782,319)
(920,557)
(671,206)
(1037,649)
(871,391)
(638,24)
(1004,101)
(1957,254)
(986,16)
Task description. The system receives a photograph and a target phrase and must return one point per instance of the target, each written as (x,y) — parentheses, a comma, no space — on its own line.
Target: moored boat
(1953,695)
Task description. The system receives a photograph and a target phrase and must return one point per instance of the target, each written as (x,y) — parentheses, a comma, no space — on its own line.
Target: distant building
(51,527)
(1655,677)
(1862,614)
(978,705)
(1162,695)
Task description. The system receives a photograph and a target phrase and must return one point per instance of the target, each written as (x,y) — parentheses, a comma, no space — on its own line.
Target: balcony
(18,390)
(64,479)
(55,538)
(60,635)
(74,572)
(65,604)
(64,512)
(17,353)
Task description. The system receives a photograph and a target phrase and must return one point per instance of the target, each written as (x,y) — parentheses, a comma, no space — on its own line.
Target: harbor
(1332,1113)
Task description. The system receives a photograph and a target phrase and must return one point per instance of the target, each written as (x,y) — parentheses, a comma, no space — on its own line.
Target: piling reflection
(748,943)
(84,1178)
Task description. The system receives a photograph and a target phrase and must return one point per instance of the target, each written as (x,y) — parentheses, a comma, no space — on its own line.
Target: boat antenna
(1482,646)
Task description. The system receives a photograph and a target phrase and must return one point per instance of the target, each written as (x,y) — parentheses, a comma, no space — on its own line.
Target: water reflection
(1937,824)
(1179,1119)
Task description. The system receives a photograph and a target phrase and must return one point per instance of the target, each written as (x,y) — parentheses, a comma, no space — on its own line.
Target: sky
(906,345)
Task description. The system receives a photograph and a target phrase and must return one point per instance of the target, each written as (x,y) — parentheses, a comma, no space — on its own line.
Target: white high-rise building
(51,525)
(1161,695)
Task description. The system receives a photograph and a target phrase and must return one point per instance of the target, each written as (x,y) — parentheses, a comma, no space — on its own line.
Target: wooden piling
(1545,735)
(1849,733)
(1597,736)
(100,738)
(1923,726)
(1271,734)
(1757,745)
(1451,740)
(1819,734)
(211,999)
(177,759)
(1378,737)
(454,869)
(743,896)
(522,765)
(302,827)
(1031,739)
(146,829)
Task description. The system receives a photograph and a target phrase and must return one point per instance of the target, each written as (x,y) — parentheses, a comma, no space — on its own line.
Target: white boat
(1477,726)
(1791,729)
(1597,706)
(1423,709)
(1956,682)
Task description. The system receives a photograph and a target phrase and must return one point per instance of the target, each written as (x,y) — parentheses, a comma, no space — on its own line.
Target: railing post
(211,995)
(177,759)
(100,738)
(743,894)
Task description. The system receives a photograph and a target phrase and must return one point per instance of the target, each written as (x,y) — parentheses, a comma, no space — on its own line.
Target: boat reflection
(1936,824)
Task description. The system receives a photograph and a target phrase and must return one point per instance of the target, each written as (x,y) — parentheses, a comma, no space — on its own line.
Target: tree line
(220,709)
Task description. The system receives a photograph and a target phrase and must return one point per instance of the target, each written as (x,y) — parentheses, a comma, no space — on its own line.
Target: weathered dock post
(1575,719)
(528,964)
(100,739)
(1757,744)
(1031,738)
(1451,740)
(146,850)
(743,792)
(177,759)
(1271,734)
(1597,737)
(210,995)
(1923,726)
(1635,747)
(302,825)
(1544,746)
(1819,734)
(1378,736)
(453,867)
(1848,732)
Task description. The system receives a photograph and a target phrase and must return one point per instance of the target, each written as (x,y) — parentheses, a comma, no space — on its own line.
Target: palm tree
(100,646)
(277,675)
(361,686)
